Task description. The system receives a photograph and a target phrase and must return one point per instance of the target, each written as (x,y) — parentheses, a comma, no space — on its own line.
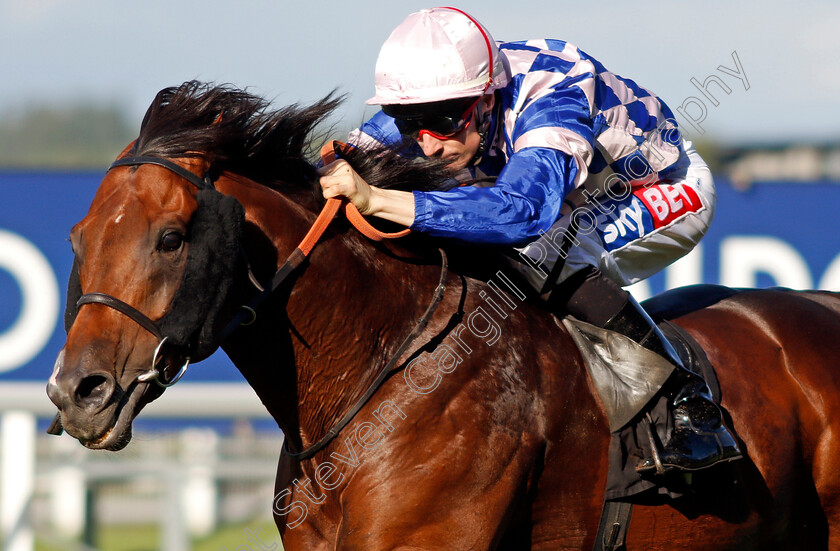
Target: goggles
(441,120)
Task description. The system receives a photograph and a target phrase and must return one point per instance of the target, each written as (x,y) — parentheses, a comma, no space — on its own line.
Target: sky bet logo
(645,210)
(668,202)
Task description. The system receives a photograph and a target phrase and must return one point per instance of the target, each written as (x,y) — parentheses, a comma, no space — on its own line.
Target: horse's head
(154,258)
(159,251)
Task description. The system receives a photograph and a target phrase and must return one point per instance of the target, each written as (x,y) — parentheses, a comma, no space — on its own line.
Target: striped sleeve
(525,200)
(559,120)
(377,131)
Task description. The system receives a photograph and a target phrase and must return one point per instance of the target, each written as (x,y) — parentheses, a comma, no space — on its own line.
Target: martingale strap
(383,374)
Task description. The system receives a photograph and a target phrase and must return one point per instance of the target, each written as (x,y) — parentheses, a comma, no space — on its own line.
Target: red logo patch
(667,202)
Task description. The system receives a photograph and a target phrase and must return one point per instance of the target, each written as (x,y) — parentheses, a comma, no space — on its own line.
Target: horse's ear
(197,163)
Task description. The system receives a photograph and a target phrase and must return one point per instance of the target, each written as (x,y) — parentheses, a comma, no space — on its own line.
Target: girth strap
(615,522)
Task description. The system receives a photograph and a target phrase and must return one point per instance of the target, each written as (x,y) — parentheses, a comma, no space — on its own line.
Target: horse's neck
(347,311)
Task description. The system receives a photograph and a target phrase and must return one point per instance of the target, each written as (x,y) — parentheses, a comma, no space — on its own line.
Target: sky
(57,52)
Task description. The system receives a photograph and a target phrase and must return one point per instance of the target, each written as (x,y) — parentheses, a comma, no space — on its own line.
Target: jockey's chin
(458,150)
(458,162)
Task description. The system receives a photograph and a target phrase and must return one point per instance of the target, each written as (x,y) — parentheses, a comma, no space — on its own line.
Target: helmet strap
(483,127)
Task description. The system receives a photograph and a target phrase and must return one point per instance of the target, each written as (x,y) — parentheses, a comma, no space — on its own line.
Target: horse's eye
(171,242)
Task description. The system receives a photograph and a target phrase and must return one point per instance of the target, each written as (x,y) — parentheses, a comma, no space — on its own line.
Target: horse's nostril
(93,391)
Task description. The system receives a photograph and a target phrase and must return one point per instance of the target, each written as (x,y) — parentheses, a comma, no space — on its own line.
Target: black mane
(235,129)
(241,133)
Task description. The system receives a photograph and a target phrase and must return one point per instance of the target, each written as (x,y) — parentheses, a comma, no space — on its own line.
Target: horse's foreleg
(826,467)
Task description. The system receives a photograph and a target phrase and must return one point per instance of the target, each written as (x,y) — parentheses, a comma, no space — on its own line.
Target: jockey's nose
(430,145)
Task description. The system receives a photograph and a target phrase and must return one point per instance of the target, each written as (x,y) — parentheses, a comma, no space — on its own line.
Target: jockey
(594,186)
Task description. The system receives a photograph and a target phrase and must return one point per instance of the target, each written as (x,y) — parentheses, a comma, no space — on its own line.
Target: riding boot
(699,438)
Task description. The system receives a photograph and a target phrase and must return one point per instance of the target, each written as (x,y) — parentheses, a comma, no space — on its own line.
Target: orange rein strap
(325,217)
(329,153)
(353,215)
(248,312)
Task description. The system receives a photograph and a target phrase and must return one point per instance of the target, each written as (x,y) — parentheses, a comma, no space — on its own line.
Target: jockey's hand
(338,179)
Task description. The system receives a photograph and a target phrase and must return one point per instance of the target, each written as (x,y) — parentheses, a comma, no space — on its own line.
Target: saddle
(627,377)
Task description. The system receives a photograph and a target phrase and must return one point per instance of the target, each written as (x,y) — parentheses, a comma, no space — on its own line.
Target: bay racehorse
(486,434)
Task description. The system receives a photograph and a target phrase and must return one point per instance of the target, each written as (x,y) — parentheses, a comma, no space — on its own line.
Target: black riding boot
(699,439)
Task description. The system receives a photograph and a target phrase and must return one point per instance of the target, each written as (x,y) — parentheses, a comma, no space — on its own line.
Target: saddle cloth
(627,378)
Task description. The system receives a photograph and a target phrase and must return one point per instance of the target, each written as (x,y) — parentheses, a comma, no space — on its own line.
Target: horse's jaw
(114,431)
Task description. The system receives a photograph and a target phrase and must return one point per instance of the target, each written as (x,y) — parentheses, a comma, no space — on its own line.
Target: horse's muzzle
(80,395)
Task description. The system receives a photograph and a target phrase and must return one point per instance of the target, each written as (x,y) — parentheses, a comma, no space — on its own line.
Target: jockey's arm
(526,199)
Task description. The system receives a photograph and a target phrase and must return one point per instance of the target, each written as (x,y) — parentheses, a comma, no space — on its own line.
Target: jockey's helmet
(437,54)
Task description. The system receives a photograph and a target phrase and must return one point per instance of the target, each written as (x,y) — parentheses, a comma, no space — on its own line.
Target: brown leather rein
(248,312)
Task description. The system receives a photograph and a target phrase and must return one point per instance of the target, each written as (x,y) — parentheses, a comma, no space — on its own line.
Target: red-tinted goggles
(441,120)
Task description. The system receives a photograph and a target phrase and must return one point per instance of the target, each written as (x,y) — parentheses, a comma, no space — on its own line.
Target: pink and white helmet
(437,54)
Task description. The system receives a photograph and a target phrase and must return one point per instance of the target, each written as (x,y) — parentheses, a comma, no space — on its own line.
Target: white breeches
(632,233)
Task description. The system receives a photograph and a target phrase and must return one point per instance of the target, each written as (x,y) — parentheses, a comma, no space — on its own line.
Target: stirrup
(693,445)
(665,462)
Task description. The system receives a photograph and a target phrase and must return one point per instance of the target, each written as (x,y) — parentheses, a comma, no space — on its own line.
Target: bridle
(133,313)
(248,312)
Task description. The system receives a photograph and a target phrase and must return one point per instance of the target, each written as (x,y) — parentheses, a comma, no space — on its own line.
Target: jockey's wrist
(391,204)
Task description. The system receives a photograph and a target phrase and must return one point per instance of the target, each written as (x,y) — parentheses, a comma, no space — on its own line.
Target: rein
(248,312)
(248,315)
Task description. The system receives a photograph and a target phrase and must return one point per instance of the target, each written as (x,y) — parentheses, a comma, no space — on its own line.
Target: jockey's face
(459,149)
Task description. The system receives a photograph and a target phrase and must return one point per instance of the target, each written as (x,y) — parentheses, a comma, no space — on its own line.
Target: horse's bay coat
(493,439)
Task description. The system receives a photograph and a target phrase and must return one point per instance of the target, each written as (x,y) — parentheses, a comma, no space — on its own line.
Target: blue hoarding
(36,214)
(774,234)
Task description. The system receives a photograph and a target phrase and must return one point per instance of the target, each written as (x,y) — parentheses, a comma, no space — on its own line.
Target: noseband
(153,374)
(247,313)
